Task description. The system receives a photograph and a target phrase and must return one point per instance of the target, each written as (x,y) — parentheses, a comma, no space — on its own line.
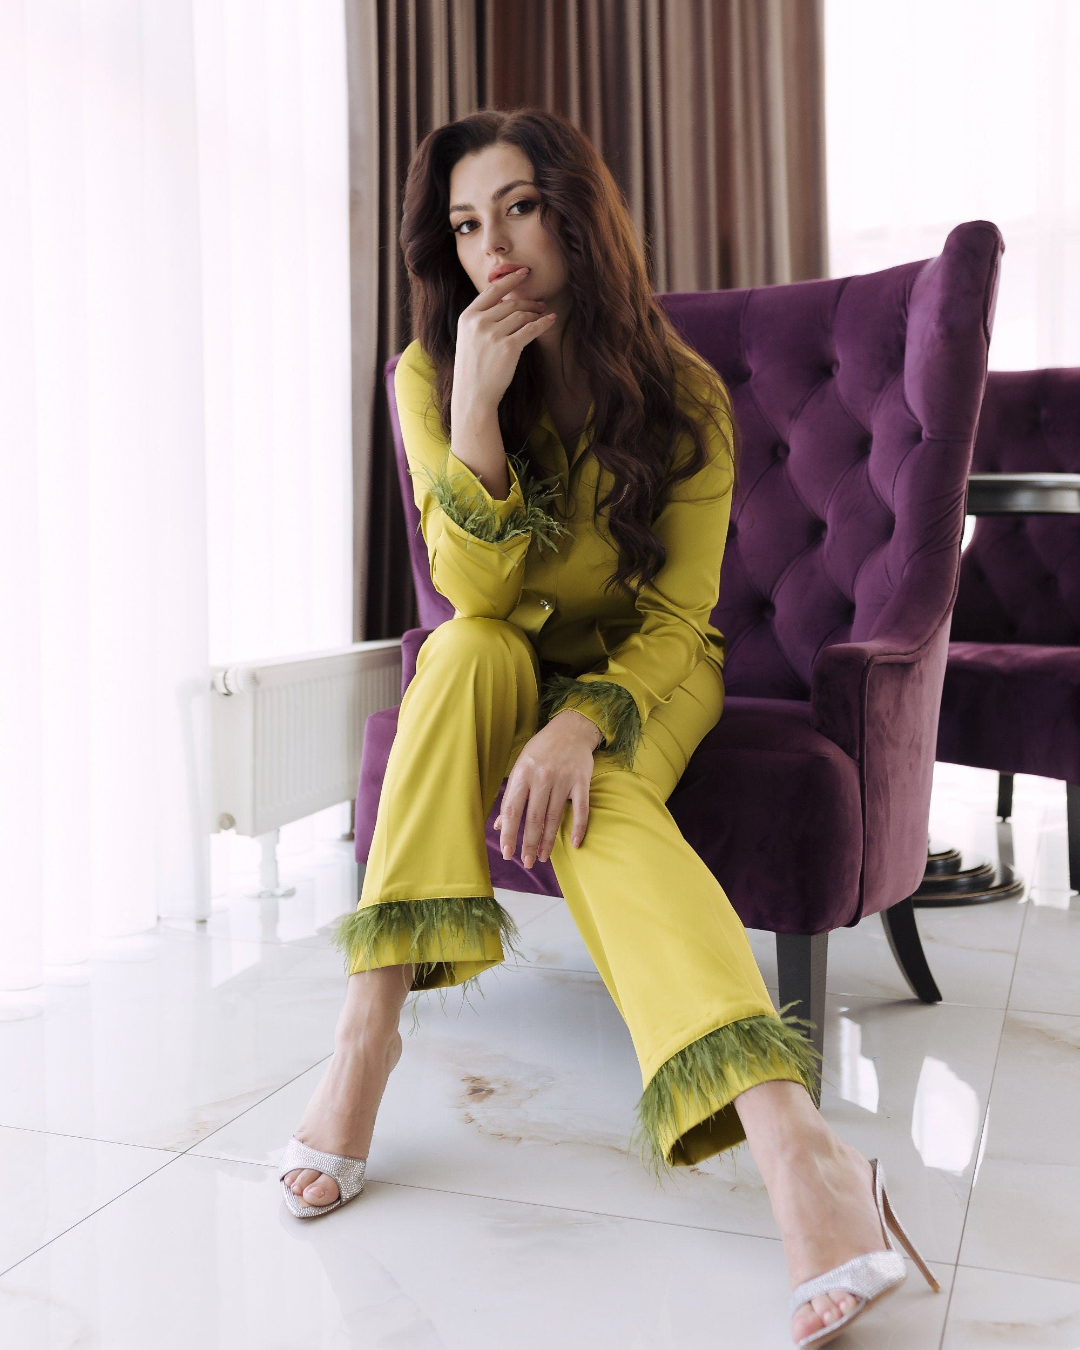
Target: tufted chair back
(1020,575)
(854,450)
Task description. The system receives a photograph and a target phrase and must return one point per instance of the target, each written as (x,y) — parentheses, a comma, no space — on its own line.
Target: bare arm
(476,440)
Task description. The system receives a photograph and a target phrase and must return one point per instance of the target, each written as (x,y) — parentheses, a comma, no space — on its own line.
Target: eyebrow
(497,195)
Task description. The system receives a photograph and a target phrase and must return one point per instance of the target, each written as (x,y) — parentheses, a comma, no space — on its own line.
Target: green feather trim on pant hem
(611,703)
(708,1074)
(479,516)
(466,921)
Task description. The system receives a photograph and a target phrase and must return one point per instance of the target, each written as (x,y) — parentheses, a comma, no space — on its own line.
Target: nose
(496,240)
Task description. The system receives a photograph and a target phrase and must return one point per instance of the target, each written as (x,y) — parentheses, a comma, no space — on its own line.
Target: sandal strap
(347,1172)
(866,1276)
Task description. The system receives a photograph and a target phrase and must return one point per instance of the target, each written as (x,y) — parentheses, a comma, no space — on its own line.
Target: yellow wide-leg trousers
(667,943)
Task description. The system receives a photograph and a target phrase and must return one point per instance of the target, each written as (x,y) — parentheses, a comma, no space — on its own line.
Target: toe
(820,1312)
(298,1180)
(844,1301)
(805,1322)
(323,1191)
(827,1309)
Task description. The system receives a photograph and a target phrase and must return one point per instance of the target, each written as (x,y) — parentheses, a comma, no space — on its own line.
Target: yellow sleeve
(476,543)
(675,607)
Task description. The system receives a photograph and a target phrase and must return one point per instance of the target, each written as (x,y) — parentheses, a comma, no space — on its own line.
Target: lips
(501,271)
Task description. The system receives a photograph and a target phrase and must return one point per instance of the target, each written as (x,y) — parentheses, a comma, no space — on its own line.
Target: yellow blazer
(540,558)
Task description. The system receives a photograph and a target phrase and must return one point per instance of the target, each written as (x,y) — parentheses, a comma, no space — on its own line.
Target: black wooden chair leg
(903,934)
(801,964)
(1072,798)
(1005,795)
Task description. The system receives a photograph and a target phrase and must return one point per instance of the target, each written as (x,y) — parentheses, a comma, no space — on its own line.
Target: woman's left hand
(554,768)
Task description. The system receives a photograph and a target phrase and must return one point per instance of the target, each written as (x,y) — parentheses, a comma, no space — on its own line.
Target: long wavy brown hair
(625,344)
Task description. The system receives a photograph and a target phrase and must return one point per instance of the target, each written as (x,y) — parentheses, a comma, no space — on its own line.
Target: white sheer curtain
(940,111)
(175,481)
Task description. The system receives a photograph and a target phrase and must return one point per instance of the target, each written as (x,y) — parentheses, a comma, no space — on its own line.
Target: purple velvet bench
(1011,698)
(857,401)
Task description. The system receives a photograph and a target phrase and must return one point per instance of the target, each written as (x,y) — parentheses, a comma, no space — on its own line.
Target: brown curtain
(428,73)
(709,113)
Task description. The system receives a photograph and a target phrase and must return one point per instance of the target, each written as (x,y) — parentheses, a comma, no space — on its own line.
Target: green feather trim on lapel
(611,704)
(710,1072)
(477,515)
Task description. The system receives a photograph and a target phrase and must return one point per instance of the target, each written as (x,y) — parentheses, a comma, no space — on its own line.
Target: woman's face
(495,216)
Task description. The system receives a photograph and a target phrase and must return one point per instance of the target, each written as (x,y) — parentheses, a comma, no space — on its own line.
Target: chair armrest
(410,648)
(844,690)
(879,702)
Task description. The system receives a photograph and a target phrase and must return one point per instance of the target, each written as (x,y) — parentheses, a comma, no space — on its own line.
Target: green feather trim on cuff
(610,704)
(464,922)
(705,1077)
(479,515)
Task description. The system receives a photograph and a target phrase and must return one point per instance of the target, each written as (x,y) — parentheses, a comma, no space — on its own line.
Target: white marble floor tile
(1035,1103)
(166,1038)
(1025,1206)
(530,1095)
(1023,1219)
(204,1253)
(52,1182)
(990,1310)
(1047,975)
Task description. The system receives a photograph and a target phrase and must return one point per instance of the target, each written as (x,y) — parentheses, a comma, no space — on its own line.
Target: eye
(527,202)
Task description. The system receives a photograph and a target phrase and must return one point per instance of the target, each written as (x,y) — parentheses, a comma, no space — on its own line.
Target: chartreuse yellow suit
(535,631)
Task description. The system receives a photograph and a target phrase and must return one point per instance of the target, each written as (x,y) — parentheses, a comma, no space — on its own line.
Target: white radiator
(286,734)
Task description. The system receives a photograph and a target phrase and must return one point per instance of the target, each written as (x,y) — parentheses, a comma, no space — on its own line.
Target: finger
(527,332)
(515,321)
(510,816)
(512,304)
(534,823)
(552,823)
(579,797)
(492,294)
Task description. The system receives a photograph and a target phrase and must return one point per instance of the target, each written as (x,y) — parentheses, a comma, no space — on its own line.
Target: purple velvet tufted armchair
(1011,699)
(857,402)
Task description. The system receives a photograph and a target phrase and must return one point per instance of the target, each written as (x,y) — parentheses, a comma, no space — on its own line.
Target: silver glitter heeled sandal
(347,1172)
(869,1277)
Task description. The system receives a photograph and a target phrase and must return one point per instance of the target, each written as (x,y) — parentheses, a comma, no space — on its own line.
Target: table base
(948,882)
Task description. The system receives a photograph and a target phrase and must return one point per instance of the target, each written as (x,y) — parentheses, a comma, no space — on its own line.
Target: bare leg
(340,1117)
(819,1188)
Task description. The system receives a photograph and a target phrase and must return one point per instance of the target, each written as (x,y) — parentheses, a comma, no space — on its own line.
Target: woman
(573,465)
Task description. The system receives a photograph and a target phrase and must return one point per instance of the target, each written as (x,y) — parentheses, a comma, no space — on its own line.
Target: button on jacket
(541,557)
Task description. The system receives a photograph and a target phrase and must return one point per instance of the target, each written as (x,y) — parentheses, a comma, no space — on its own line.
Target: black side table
(947,881)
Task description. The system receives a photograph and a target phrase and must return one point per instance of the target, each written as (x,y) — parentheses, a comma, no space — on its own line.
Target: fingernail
(522,269)
(506,853)
(498,823)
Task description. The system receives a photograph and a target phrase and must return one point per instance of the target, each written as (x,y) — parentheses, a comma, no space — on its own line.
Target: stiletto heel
(869,1277)
(907,1244)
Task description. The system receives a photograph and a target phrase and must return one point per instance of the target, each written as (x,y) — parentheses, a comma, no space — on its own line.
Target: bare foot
(340,1117)
(824,1206)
